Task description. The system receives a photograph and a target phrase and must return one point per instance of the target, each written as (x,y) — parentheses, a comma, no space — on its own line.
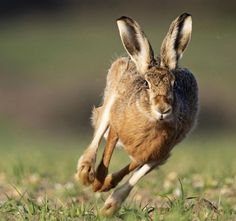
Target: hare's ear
(135,43)
(176,41)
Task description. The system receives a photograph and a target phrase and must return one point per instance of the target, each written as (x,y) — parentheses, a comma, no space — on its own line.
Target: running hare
(149,105)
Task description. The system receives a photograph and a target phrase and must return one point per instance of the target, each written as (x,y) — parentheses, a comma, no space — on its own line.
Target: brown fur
(143,138)
(153,104)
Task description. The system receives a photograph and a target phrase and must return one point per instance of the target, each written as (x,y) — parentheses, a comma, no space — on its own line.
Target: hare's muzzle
(162,113)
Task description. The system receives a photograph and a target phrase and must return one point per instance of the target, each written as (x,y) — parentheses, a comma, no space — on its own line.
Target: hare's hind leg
(102,169)
(114,201)
(86,163)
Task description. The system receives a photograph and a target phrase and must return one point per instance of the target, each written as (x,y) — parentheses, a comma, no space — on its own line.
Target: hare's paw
(110,207)
(104,186)
(108,184)
(114,201)
(97,184)
(85,171)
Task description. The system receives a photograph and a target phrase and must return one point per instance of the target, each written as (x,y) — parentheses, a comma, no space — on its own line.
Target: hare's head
(157,74)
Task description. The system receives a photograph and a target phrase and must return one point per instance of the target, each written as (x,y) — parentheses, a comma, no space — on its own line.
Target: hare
(150,104)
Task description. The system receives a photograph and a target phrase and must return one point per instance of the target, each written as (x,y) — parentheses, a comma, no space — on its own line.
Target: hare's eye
(146,84)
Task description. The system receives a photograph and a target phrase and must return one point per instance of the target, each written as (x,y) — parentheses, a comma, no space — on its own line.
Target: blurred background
(54,57)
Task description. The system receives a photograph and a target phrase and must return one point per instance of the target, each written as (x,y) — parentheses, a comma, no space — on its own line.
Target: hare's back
(120,76)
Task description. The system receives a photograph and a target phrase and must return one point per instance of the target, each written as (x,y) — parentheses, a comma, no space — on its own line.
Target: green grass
(36,182)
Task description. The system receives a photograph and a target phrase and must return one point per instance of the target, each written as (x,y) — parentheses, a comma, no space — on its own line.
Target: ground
(37,182)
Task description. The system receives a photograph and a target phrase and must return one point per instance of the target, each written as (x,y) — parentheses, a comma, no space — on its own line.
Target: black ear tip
(185,15)
(122,18)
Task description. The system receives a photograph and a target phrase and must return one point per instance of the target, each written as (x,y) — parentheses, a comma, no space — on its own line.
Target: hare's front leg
(102,169)
(86,163)
(113,179)
(114,201)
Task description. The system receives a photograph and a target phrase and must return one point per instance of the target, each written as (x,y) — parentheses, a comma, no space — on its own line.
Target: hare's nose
(166,111)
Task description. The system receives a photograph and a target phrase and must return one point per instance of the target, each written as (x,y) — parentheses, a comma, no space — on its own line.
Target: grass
(36,182)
